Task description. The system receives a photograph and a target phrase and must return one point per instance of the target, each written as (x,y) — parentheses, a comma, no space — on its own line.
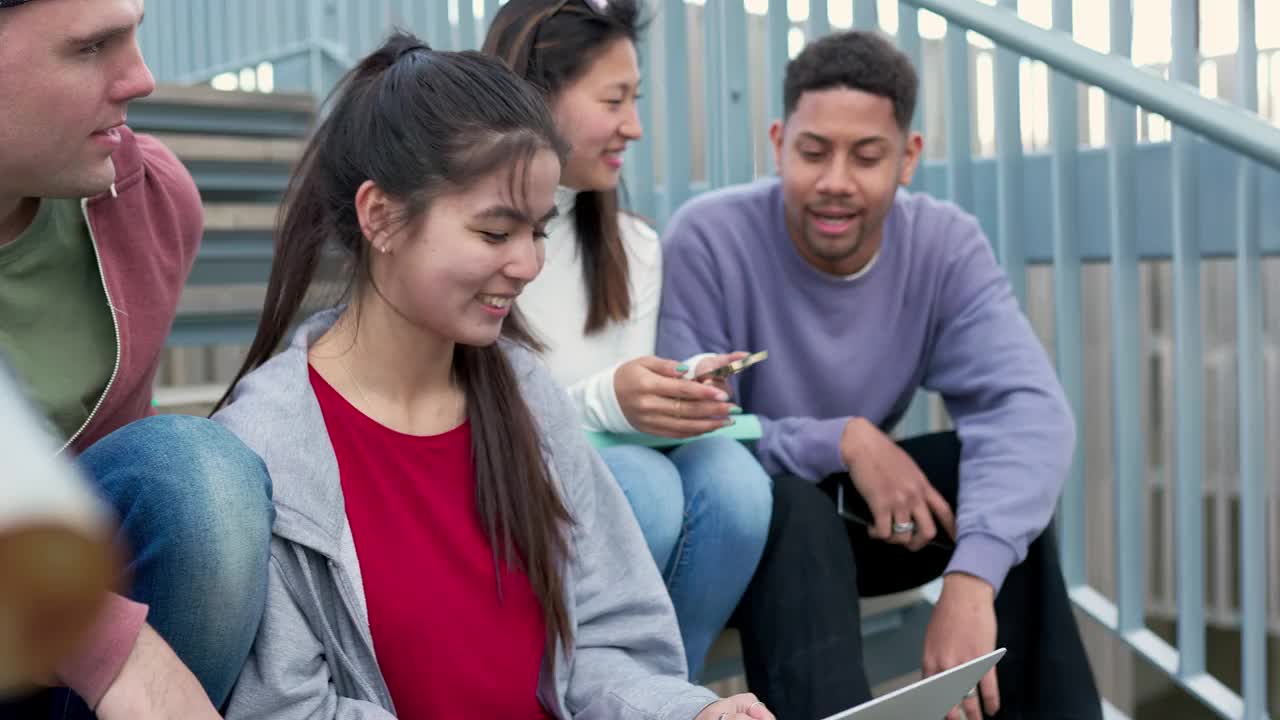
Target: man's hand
(656,399)
(893,486)
(962,628)
(738,707)
(155,684)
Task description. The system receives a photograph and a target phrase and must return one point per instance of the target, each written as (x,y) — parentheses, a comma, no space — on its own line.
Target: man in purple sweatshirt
(863,292)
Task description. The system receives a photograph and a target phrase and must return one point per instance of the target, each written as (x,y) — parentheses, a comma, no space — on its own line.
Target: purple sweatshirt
(934,311)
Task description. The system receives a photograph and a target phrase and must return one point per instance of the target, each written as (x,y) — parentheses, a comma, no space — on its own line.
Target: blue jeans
(704,510)
(195,514)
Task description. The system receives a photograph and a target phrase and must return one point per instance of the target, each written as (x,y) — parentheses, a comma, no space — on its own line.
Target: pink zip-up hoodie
(146,231)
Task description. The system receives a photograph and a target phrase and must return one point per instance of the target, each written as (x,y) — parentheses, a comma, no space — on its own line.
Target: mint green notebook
(746,428)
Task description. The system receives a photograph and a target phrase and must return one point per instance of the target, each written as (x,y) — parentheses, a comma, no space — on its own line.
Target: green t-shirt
(56,329)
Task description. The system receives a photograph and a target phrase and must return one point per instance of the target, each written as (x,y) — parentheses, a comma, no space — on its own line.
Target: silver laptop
(928,699)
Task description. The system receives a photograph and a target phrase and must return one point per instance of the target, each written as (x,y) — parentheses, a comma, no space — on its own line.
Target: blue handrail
(1235,128)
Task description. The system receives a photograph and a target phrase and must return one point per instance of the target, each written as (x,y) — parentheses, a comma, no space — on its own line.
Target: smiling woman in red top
(446,544)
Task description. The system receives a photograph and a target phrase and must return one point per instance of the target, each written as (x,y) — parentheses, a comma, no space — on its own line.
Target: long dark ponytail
(420,123)
(551,43)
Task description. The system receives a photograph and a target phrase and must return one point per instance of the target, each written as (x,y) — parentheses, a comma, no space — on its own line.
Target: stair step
(221,148)
(200,398)
(205,111)
(205,96)
(225,299)
(229,217)
(237,246)
(883,620)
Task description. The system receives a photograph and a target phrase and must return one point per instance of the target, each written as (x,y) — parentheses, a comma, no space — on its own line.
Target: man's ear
(911,157)
(777,132)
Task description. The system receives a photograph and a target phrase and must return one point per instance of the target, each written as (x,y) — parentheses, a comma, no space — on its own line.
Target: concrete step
(221,299)
(237,246)
(188,399)
(223,148)
(886,620)
(203,110)
(231,217)
(204,96)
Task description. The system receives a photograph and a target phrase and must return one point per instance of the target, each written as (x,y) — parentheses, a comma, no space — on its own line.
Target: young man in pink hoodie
(98,230)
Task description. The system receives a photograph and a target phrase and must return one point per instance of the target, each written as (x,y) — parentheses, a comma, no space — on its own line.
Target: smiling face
(458,269)
(597,115)
(68,69)
(842,157)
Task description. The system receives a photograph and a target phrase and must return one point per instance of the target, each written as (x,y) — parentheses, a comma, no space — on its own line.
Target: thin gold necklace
(459,406)
(347,368)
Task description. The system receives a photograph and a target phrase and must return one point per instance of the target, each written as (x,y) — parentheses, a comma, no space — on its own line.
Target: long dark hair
(551,43)
(421,123)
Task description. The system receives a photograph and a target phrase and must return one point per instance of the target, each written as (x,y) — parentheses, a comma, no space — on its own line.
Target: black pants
(800,622)
(36,707)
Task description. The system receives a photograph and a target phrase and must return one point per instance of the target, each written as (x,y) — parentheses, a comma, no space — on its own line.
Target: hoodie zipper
(347,598)
(347,594)
(115,322)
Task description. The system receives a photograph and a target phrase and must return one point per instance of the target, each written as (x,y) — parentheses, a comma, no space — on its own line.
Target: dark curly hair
(858,60)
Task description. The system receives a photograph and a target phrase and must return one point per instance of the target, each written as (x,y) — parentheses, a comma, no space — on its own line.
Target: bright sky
(1091,22)
(1151,43)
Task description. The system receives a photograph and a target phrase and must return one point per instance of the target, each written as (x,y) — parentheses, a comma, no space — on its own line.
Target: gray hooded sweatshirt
(313,657)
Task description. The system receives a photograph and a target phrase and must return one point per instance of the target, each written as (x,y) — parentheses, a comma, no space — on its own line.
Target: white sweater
(555,304)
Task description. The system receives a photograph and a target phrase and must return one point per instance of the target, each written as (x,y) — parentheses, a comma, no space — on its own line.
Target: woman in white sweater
(705,506)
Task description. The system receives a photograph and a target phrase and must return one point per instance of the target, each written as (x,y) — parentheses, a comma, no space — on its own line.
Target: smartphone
(939,541)
(734,367)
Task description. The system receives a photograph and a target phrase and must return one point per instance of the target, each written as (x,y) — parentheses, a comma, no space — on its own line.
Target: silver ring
(905,528)
(753,705)
(722,716)
(973,692)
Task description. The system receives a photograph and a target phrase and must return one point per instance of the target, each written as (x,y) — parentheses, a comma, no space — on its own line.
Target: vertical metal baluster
(1188,361)
(1126,342)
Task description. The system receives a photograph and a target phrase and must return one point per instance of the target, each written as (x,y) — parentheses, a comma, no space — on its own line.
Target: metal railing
(1240,129)
(714,74)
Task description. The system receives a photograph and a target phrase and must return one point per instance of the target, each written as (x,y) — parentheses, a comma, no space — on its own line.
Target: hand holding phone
(657,399)
(733,368)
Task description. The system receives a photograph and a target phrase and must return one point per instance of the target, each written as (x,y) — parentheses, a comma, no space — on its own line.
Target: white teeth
(496,301)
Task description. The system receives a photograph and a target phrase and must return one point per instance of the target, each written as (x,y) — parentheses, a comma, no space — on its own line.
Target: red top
(447,646)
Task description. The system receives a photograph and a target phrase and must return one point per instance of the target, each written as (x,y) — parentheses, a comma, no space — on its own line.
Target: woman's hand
(738,707)
(656,399)
(708,364)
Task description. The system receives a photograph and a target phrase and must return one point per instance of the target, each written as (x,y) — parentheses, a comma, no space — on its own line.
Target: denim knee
(722,475)
(188,479)
(653,488)
(195,511)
